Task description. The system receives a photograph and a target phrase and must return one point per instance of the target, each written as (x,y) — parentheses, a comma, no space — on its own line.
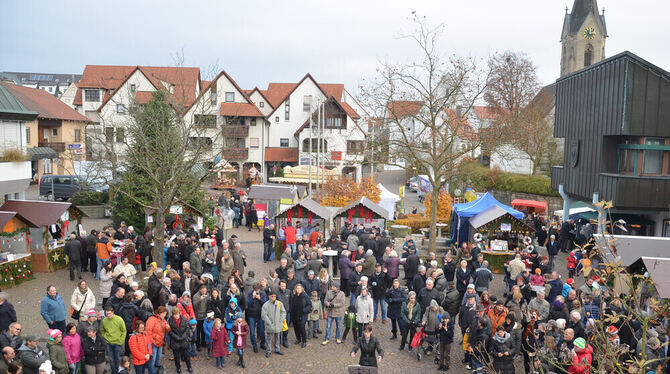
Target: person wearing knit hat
(579,344)
(581,360)
(92,313)
(54,333)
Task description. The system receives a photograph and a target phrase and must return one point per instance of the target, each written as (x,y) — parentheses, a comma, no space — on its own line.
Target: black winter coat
(178,334)
(73,249)
(368,350)
(395,298)
(94,350)
(301,305)
(217,306)
(504,364)
(411,267)
(7,315)
(380,283)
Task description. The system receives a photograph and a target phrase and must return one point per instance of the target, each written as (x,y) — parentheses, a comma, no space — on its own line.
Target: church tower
(583,36)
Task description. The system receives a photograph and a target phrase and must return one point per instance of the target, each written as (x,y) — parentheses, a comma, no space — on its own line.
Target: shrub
(484,179)
(417,222)
(13,155)
(90,198)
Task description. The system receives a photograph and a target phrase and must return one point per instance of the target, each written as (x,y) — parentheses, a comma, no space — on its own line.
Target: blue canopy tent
(460,227)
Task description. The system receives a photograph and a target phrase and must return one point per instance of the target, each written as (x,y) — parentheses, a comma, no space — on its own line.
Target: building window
(121,109)
(77,135)
(652,160)
(283,142)
(287,108)
(54,131)
(334,123)
(27,135)
(253,122)
(276,118)
(588,55)
(627,161)
(120,135)
(132,88)
(235,142)
(230,97)
(109,134)
(205,120)
(261,104)
(355,146)
(254,143)
(212,96)
(315,145)
(307,103)
(201,142)
(92,95)
(47,167)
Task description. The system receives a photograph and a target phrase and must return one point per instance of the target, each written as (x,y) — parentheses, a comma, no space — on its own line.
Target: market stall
(225,175)
(462,213)
(49,223)
(15,264)
(500,233)
(310,214)
(361,211)
(388,201)
(273,197)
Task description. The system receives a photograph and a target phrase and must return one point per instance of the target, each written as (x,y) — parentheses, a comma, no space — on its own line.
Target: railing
(58,147)
(235,131)
(235,153)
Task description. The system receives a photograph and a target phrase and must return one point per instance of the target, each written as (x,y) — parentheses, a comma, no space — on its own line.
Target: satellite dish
(457,192)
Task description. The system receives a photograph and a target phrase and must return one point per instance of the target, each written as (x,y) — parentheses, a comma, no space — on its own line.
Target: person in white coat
(364,310)
(82,300)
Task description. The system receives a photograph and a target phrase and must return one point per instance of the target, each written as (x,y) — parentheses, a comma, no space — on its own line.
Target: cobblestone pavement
(315,358)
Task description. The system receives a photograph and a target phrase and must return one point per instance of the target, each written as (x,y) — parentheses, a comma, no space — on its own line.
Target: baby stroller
(424,343)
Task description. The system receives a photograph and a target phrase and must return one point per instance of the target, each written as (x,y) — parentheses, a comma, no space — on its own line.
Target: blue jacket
(552,248)
(207,328)
(53,308)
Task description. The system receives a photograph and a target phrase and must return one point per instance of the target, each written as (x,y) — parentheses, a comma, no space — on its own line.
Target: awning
(659,271)
(378,211)
(309,205)
(38,213)
(40,153)
(543,205)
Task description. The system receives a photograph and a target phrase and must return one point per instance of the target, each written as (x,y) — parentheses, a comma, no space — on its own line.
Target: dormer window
(212,96)
(132,88)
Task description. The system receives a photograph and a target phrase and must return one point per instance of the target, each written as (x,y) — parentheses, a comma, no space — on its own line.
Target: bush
(13,155)
(484,179)
(417,222)
(90,198)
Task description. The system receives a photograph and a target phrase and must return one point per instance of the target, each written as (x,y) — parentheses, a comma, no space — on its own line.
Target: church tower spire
(583,36)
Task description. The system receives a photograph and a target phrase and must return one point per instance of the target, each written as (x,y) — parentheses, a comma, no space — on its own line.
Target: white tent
(387,200)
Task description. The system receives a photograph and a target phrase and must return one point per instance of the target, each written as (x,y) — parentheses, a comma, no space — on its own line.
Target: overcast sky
(258,42)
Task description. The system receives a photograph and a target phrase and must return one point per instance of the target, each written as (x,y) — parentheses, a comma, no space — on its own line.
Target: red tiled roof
(77,97)
(333,89)
(104,76)
(143,97)
(461,125)
(184,80)
(44,103)
(204,85)
(350,111)
(263,93)
(403,108)
(276,154)
(489,112)
(277,92)
(240,110)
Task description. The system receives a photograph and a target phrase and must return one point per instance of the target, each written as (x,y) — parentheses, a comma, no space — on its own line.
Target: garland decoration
(14,234)
(15,272)
(58,259)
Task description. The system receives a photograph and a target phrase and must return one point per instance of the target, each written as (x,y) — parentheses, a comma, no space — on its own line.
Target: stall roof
(659,271)
(379,211)
(487,200)
(576,208)
(272,192)
(630,248)
(530,203)
(5,217)
(37,213)
(489,215)
(319,210)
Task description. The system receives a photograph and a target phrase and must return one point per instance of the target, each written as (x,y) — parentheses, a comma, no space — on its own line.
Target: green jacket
(416,313)
(350,320)
(58,358)
(113,330)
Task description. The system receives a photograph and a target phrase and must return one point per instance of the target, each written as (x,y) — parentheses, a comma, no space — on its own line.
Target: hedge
(90,198)
(416,222)
(484,179)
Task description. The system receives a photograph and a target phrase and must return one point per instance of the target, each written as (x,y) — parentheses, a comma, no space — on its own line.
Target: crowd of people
(205,303)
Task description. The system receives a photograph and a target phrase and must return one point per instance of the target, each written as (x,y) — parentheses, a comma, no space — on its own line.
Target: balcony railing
(58,147)
(235,153)
(235,131)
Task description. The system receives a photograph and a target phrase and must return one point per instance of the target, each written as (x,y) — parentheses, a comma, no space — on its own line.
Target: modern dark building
(615,118)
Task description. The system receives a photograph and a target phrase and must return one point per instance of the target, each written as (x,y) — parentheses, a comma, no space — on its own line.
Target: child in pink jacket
(72,346)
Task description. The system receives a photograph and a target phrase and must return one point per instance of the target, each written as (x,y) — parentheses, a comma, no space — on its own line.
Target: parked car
(413,184)
(62,187)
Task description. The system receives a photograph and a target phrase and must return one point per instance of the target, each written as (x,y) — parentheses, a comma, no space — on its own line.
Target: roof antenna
(566,10)
(603,11)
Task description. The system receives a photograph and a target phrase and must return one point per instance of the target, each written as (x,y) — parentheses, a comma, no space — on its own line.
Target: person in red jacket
(220,342)
(156,328)
(240,331)
(185,306)
(140,348)
(290,233)
(581,361)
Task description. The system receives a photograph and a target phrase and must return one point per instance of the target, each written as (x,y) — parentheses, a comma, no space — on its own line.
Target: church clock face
(589,33)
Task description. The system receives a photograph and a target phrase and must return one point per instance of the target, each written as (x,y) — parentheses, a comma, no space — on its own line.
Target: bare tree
(524,112)
(425,104)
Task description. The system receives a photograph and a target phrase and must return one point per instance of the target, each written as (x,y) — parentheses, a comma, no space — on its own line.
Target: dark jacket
(7,315)
(452,302)
(301,305)
(346,267)
(217,306)
(462,279)
(552,248)
(311,285)
(94,350)
(73,249)
(395,298)
(31,359)
(446,336)
(411,266)
(153,288)
(91,241)
(504,364)
(128,312)
(418,282)
(380,283)
(7,340)
(267,235)
(556,289)
(449,270)
(424,296)
(368,350)
(416,313)
(178,333)
(254,305)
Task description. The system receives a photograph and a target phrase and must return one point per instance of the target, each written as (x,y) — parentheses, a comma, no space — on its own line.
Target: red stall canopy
(537,206)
